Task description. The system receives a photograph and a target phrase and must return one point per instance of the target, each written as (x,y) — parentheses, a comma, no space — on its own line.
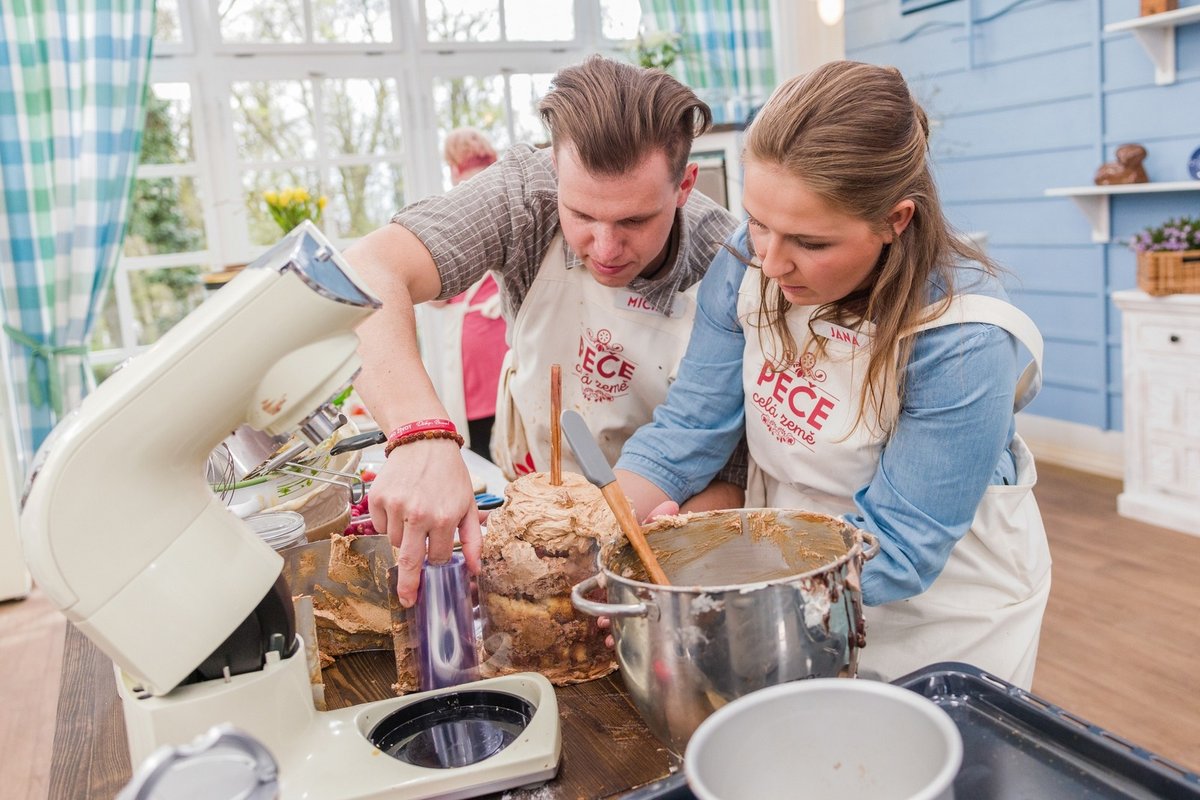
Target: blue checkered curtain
(726,56)
(73,79)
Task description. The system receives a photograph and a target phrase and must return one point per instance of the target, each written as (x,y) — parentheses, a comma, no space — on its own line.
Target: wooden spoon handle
(633,531)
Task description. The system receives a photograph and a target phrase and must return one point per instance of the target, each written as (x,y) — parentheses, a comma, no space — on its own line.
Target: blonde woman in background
(470,373)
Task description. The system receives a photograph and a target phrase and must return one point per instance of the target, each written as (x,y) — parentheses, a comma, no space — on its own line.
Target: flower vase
(1161,272)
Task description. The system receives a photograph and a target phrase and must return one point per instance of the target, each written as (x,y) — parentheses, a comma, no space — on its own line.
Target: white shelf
(1156,34)
(1093,200)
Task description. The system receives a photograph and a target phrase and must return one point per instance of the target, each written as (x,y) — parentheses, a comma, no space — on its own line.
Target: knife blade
(587,453)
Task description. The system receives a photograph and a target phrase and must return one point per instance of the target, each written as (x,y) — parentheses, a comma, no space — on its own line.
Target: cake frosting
(539,544)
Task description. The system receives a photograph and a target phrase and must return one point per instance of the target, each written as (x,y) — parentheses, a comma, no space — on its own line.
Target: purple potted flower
(1169,256)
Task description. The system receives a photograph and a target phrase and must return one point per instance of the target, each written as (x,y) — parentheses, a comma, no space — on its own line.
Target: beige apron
(617,355)
(986,606)
(450,365)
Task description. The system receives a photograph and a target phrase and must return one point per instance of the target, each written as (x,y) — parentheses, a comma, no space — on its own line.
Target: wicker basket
(1169,272)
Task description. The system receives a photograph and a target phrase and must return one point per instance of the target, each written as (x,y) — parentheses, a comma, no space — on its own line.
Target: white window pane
(362,116)
(462,20)
(262,226)
(166,216)
(620,19)
(526,91)
(472,102)
(538,21)
(167,137)
(364,197)
(262,21)
(163,297)
(167,26)
(272,120)
(354,21)
(106,330)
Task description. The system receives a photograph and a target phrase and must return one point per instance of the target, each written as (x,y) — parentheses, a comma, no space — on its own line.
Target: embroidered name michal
(639,302)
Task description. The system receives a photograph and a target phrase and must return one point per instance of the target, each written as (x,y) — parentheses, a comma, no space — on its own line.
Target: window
(351,99)
(336,137)
(272,22)
(166,242)
(504,107)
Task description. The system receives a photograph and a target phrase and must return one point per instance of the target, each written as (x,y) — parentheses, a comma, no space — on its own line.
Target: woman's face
(817,254)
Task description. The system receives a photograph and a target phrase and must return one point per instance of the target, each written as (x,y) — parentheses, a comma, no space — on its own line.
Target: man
(600,244)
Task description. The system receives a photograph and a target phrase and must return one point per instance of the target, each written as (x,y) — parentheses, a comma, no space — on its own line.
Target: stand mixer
(123,532)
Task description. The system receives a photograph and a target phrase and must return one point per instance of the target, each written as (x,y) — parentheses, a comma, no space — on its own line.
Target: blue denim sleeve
(949,444)
(694,432)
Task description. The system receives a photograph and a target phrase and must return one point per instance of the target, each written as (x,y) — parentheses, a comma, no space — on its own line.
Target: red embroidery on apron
(603,372)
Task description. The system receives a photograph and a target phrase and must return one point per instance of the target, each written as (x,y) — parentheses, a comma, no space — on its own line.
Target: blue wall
(1032,94)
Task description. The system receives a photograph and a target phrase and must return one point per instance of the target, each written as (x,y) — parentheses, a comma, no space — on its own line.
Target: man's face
(619,225)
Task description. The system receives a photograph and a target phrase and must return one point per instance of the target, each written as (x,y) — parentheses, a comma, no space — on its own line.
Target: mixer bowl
(687,649)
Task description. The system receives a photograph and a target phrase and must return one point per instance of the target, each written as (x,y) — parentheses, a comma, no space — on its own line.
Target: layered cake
(539,544)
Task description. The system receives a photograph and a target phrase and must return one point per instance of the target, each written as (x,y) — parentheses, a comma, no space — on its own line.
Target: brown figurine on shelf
(1126,169)
(1149,7)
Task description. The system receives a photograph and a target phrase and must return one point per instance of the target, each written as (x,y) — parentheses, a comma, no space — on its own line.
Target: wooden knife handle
(633,532)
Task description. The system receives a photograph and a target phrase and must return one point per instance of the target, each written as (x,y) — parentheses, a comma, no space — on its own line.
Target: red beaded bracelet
(399,441)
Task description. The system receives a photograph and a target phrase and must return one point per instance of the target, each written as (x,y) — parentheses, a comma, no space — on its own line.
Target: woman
(471,373)
(874,356)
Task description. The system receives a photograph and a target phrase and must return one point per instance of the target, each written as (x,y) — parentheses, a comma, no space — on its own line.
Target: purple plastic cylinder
(443,626)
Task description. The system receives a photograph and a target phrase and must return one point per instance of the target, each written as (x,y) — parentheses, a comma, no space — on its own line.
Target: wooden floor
(1120,644)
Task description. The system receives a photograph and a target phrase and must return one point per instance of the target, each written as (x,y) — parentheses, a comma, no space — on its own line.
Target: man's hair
(615,115)
(468,147)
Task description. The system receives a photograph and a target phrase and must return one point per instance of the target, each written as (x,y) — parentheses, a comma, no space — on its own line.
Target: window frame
(210,67)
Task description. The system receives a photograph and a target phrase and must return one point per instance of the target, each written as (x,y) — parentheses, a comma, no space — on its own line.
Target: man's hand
(667,508)
(421,495)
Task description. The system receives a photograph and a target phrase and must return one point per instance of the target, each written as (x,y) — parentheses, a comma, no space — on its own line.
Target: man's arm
(649,501)
(423,491)
(718,495)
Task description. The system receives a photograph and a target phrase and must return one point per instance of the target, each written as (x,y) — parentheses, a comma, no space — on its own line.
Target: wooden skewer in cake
(555,425)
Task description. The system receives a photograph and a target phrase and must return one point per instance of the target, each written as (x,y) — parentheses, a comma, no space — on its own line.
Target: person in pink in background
(471,373)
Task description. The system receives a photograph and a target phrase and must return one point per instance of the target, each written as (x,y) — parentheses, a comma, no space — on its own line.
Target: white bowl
(826,738)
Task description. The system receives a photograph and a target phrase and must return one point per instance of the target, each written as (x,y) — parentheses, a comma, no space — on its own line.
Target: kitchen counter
(606,747)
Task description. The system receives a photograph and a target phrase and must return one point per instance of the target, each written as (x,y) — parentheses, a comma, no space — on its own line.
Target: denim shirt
(948,445)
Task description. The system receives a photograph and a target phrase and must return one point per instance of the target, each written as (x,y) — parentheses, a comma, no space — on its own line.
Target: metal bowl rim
(855,551)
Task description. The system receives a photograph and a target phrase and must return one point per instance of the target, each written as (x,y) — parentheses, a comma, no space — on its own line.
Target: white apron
(618,356)
(986,606)
(450,365)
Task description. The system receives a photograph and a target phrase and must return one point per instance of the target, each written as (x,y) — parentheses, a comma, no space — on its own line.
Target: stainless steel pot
(687,649)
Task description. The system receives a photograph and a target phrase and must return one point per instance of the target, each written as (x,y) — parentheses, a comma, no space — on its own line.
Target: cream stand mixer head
(120,526)
(122,530)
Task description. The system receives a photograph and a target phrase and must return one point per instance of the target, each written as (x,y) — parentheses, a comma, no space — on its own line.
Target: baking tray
(1016,745)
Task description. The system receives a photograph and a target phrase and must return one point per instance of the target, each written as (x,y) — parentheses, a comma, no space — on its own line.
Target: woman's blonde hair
(468,150)
(616,114)
(856,137)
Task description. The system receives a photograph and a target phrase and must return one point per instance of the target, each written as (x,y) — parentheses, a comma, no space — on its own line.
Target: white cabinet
(1161,354)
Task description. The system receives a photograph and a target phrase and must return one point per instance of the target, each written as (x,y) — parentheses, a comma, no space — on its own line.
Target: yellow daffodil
(292,205)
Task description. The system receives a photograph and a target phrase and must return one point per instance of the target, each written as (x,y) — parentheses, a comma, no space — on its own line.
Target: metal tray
(1016,745)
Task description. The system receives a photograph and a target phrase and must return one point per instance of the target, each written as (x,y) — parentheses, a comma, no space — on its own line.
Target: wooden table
(606,747)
